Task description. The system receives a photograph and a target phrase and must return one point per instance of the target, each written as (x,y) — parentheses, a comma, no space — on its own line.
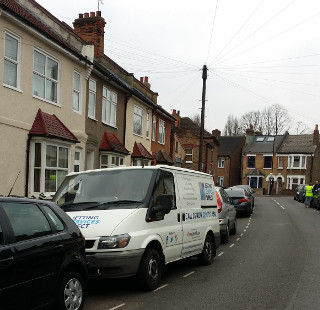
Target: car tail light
(219,203)
(243,200)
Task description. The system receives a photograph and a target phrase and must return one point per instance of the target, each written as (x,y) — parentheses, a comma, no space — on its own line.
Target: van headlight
(114,242)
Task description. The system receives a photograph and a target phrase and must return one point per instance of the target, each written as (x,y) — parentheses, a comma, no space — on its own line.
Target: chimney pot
(146,79)
(98,13)
(80,15)
(86,15)
(92,14)
(141,79)
(174,112)
(317,127)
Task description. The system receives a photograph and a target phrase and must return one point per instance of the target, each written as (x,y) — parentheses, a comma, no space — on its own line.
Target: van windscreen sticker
(206,191)
(86,221)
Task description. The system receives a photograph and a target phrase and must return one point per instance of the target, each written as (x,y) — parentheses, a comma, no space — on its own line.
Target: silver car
(227,215)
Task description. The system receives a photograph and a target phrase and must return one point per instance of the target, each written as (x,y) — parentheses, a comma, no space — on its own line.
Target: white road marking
(238,239)
(160,287)
(188,274)
(247,226)
(220,254)
(231,245)
(241,235)
(116,307)
(245,230)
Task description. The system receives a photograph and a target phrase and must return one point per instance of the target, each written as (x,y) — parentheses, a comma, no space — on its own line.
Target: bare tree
(196,119)
(275,120)
(300,129)
(251,118)
(232,127)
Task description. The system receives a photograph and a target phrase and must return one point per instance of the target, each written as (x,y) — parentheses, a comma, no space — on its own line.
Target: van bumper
(114,264)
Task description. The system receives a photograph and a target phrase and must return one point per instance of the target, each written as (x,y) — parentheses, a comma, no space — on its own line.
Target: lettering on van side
(83,221)
(200,215)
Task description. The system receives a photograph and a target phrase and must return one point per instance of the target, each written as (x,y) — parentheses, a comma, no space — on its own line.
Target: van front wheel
(208,252)
(150,270)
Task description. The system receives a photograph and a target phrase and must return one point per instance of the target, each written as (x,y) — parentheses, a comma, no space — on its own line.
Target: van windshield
(94,189)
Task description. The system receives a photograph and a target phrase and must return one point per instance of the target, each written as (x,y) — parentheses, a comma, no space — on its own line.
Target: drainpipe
(27,167)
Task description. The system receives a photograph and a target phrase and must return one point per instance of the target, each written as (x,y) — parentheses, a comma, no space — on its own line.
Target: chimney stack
(216,133)
(316,135)
(176,115)
(91,29)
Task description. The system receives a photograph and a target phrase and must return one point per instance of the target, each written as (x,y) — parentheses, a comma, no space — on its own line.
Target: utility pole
(204,78)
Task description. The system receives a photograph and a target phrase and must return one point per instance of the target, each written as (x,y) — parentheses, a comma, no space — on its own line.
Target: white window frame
(162,132)
(77,162)
(113,160)
(92,99)
(278,162)
(109,107)
(77,94)
(301,180)
(220,180)
(43,167)
(148,126)
(189,152)
(46,77)
(16,62)
(137,115)
(258,180)
(302,161)
(154,127)
(140,162)
(221,162)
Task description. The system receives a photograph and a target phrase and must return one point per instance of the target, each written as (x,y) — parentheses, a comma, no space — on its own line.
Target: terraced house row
(66,106)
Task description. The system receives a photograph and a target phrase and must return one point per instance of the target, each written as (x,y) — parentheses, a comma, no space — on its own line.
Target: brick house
(277,164)
(188,133)
(228,172)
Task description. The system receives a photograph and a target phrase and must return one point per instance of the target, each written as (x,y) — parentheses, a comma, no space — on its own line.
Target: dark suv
(42,256)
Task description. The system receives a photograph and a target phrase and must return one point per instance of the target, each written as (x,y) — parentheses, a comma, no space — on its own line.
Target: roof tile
(111,143)
(139,151)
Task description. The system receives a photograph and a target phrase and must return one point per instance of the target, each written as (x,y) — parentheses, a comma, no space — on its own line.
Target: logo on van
(86,221)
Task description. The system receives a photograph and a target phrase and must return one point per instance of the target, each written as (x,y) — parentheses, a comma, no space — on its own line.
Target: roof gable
(49,125)
(111,143)
(163,157)
(139,151)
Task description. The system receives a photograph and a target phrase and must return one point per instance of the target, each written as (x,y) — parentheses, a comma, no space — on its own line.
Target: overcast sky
(258,52)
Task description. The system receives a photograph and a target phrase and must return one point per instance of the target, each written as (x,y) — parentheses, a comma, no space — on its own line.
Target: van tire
(208,251)
(150,270)
(233,231)
(225,236)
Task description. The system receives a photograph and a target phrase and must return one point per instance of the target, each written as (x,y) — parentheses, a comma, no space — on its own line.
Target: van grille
(89,244)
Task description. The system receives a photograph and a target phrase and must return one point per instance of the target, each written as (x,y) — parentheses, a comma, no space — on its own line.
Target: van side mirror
(164,204)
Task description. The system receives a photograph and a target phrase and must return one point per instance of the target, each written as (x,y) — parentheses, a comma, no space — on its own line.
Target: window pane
(37,155)
(50,180)
(92,102)
(10,73)
(11,47)
(251,161)
(76,81)
(36,185)
(92,85)
(267,161)
(39,62)
(52,69)
(104,159)
(113,114)
(27,220)
(51,91)
(108,111)
(51,158)
(61,174)
(63,157)
(76,100)
(38,85)
(77,155)
(54,218)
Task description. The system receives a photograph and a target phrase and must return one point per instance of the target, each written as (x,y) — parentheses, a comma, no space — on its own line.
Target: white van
(138,219)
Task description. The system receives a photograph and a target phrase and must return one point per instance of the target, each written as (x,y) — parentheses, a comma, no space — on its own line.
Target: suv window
(54,218)
(1,236)
(27,220)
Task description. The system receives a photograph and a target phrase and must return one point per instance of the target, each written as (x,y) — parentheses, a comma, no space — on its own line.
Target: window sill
(92,118)
(189,162)
(47,101)
(136,134)
(12,88)
(113,126)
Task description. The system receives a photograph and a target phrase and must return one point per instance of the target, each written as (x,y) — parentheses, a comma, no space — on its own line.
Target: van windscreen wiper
(102,205)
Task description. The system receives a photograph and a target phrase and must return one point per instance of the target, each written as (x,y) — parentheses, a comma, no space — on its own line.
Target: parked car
(300,193)
(42,256)
(249,190)
(227,215)
(241,199)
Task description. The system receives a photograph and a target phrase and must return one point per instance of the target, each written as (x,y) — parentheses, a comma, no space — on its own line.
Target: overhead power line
(214,19)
